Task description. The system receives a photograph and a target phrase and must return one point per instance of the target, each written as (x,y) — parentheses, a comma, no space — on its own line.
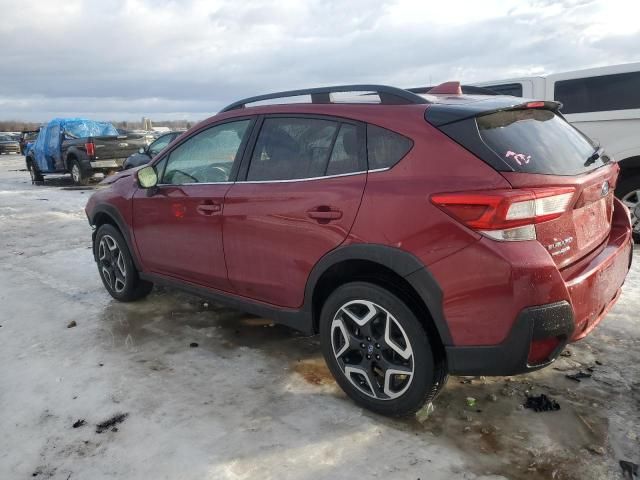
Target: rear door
(52,155)
(299,195)
(178,226)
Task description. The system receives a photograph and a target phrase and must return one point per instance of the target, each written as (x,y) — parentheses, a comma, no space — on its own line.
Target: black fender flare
(399,261)
(79,155)
(114,214)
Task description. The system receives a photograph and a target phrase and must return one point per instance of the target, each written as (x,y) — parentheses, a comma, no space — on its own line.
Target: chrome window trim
(193,183)
(291,180)
(276,181)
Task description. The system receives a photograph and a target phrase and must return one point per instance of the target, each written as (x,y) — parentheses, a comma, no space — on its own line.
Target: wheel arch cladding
(391,268)
(105,214)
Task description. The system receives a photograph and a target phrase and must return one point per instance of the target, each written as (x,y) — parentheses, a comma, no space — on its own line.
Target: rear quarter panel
(396,209)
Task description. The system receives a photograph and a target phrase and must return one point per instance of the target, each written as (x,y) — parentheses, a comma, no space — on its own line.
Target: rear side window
(598,94)
(538,141)
(345,157)
(298,148)
(513,89)
(385,148)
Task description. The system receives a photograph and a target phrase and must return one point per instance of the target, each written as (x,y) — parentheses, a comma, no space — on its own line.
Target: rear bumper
(511,356)
(115,163)
(595,288)
(9,149)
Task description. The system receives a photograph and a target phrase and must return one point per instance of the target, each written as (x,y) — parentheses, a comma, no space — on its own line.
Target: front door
(297,201)
(178,226)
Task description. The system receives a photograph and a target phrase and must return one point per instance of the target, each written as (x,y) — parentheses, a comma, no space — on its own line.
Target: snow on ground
(254,400)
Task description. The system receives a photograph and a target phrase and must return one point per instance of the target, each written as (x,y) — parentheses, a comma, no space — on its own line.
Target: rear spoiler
(439,114)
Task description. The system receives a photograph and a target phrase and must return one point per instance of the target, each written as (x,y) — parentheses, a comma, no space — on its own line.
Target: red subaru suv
(418,234)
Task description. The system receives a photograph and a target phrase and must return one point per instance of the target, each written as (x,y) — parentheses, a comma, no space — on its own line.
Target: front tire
(116,268)
(36,176)
(378,351)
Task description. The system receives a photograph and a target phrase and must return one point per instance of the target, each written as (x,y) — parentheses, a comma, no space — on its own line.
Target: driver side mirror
(147,177)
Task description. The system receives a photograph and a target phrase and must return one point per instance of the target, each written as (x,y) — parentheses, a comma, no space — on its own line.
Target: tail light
(91,149)
(541,351)
(508,215)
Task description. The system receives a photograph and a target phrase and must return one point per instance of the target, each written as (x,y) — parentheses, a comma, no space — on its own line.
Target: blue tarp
(79,128)
(47,146)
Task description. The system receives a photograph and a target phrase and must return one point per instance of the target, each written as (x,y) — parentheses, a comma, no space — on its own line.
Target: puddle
(169,314)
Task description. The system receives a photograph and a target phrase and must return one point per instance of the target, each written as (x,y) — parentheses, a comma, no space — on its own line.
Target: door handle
(209,208)
(324,214)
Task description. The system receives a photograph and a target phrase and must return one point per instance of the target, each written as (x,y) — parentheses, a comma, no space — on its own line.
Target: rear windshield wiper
(592,159)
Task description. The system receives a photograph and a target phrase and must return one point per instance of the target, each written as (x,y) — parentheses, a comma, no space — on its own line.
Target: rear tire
(378,351)
(116,268)
(628,191)
(78,175)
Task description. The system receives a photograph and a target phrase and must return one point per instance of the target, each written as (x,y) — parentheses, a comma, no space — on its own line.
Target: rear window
(538,141)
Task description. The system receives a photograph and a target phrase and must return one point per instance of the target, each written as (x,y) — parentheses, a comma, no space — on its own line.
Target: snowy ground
(255,400)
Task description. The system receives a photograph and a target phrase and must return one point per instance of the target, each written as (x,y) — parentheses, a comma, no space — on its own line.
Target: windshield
(89,128)
(5,138)
(539,141)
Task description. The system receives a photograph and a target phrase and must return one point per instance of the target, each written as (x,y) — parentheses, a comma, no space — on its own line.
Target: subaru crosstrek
(420,235)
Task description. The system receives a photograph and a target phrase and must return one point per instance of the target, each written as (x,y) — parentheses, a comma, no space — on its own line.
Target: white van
(605,104)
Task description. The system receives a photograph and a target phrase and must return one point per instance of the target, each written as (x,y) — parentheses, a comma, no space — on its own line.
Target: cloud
(188,58)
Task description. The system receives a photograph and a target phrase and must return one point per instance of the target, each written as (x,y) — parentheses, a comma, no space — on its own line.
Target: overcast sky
(121,59)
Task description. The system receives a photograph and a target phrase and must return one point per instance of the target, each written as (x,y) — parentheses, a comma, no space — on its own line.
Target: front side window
(208,156)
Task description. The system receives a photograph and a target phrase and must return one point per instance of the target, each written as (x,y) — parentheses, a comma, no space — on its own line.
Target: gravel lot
(254,400)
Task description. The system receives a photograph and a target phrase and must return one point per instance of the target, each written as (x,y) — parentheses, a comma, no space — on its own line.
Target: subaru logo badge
(605,189)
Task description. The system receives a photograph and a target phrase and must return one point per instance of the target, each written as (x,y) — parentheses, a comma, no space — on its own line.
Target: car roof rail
(466,89)
(388,95)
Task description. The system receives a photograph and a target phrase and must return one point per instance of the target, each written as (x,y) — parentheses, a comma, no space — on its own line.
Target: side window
(157,146)
(292,148)
(598,94)
(345,157)
(207,157)
(385,148)
(513,89)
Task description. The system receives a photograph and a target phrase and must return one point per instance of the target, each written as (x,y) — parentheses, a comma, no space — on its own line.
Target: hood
(118,176)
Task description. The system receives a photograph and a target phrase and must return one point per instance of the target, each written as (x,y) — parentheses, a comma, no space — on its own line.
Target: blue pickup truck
(80,147)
